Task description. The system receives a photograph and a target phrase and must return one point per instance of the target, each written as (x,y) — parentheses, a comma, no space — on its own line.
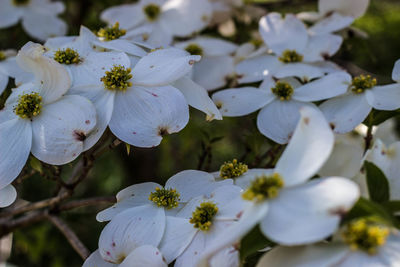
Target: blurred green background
(201,145)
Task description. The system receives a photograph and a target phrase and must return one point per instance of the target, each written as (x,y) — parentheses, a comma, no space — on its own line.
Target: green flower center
(290,56)
(362,83)
(167,198)
(203,215)
(67,56)
(194,49)
(117,78)
(366,235)
(29,105)
(264,187)
(152,11)
(283,90)
(2,56)
(111,33)
(20,2)
(232,169)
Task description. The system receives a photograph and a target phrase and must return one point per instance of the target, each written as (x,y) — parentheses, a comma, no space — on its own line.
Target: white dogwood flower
(38,118)
(142,256)
(139,216)
(279,102)
(295,51)
(334,15)
(362,242)
(286,195)
(163,19)
(195,226)
(137,100)
(217,61)
(39,17)
(347,111)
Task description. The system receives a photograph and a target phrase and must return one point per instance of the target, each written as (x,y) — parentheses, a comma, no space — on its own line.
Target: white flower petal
(185,17)
(122,45)
(345,112)
(128,16)
(213,72)
(3,82)
(326,87)
(386,97)
(61,128)
(43,26)
(309,148)
(306,72)
(229,202)
(15,143)
(143,225)
(228,257)
(241,101)
(95,260)
(316,206)
(332,23)
(144,256)
(250,217)
(162,67)
(360,258)
(212,47)
(8,195)
(282,34)
(257,68)
(278,119)
(143,115)
(177,237)
(50,76)
(355,8)
(318,255)
(9,14)
(103,101)
(197,97)
(389,252)
(396,71)
(132,196)
(193,183)
(322,46)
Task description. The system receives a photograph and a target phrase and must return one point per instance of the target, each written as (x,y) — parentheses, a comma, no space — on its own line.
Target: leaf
(378,185)
(253,242)
(393,206)
(36,164)
(366,208)
(380,116)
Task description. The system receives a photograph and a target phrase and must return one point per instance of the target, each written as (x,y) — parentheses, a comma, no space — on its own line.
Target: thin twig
(86,202)
(70,235)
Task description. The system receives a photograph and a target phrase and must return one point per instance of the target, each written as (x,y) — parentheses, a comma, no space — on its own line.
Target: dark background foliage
(201,145)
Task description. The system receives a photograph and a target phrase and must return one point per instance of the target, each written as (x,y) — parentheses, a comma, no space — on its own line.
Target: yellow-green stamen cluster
(111,33)
(117,78)
(290,56)
(2,56)
(362,83)
(29,105)
(366,235)
(194,49)
(203,215)
(283,90)
(264,187)
(67,56)
(20,2)
(232,169)
(152,11)
(167,198)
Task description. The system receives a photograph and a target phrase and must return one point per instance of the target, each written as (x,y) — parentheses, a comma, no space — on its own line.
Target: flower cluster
(328,196)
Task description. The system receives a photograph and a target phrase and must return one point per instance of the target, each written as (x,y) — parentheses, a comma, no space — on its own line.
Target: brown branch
(35,206)
(70,235)
(26,220)
(87,202)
